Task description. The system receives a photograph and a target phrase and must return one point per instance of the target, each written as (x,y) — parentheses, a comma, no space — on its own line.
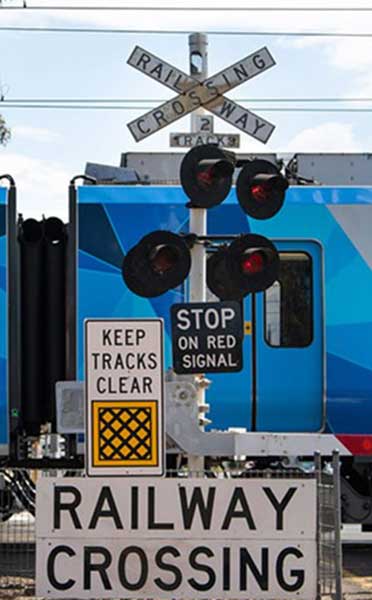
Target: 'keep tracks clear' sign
(124,397)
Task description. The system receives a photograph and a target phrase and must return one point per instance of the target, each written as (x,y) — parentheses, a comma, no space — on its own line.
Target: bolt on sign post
(124,397)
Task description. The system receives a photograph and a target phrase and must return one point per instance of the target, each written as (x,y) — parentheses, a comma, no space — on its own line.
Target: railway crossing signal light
(261,189)
(206,175)
(159,262)
(249,264)
(218,277)
(162,260)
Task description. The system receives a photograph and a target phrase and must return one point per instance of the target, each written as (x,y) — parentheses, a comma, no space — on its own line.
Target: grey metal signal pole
(198,43)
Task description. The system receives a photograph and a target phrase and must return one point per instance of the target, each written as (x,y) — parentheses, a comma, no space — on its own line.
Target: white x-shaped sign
(192,94)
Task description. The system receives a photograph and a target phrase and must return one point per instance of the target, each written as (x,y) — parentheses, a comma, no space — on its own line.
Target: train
(308,365)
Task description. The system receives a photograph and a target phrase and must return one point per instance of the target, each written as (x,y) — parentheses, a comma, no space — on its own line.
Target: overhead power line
(140,101)
(290,109)
(72,106)
(330,34)
(197,8)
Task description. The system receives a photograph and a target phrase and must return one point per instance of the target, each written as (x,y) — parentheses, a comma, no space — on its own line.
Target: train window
(289,303)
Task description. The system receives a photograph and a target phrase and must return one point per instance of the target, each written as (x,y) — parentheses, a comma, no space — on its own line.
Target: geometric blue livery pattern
(122,215)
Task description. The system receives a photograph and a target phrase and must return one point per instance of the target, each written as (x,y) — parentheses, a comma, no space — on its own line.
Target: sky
(49,146)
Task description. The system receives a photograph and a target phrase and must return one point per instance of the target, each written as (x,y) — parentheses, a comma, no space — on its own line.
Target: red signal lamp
(250,264)
(205,178)
(218,278)
(260,192)
(261,189)
(206,175)
(159,262)
(213,174)
(163,258)
(253,263)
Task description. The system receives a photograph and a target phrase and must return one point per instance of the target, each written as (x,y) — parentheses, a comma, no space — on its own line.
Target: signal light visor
(206,175)
(163,258)
(159,262)
(219,280)
(253,263)
(261,189)
(250,264)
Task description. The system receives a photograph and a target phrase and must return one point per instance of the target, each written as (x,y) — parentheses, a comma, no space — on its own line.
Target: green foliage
(5,132)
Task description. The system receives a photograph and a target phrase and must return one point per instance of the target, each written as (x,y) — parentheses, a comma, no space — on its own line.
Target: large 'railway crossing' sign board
(176,538)
(193,94)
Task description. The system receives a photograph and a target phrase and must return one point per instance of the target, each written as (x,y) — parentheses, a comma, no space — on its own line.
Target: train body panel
(111,219)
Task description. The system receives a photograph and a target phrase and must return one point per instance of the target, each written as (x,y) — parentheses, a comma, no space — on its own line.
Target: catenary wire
(158,100)
(135,107)
(196,8)
(186,32)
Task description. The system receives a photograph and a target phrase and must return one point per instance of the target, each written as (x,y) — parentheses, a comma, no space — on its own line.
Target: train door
(288,356)
(230,395)
(281,386)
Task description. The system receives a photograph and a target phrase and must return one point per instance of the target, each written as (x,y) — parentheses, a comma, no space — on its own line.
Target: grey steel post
(198,43)
(337,514)
(198,46)
(318,473)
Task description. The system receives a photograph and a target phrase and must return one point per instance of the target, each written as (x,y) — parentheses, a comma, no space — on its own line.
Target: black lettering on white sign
(193,93)
(238,567)
(125,353)
(184,140)
(228,539)
(195,507)
(123,374)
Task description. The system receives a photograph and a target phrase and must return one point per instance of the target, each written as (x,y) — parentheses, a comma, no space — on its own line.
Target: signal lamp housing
(206,175)
(261,189)
(253,262)
(250,264)
(159,262)
(218,277)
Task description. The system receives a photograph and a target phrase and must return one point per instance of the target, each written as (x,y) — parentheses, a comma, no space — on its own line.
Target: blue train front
(300,387)
(308,366)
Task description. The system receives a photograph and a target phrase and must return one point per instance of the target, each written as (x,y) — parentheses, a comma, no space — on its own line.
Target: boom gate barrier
(18,538)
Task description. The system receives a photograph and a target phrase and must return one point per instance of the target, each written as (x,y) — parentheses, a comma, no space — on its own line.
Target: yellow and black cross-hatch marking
(125,433)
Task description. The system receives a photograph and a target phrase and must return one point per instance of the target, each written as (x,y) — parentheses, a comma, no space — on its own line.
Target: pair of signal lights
(207,174)
(162,260)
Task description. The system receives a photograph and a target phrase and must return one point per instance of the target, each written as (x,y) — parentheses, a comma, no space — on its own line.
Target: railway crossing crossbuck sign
(193,94)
